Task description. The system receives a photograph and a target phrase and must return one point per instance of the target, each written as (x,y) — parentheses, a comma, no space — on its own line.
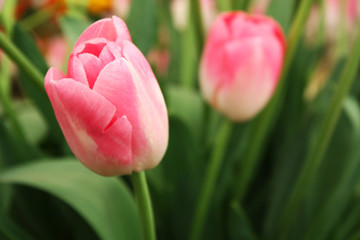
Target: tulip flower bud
(109,105)
(241,63)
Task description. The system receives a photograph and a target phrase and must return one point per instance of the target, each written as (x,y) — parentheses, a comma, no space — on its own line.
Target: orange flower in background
(97,7)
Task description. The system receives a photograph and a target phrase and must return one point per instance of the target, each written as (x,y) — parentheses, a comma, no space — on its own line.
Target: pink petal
(250,90)
(141,67)
(116,49)
(272,48)
(121,29)
(92,66)
(106,56)
(116,85)
(99,139)
(151,102)
(112,29)
(219,32)
(92,46)
(76,70)
(53,74)
(123,86)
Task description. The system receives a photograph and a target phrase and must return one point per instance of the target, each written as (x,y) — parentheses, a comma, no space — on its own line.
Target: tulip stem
(211,175)
(317,151)
(144,205)
(18,57)
(5,96)
(261,126)
(199,25)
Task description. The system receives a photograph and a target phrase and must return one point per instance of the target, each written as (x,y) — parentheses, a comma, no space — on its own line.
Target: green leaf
(188,57)
(31,122)
(105,203)
(336,180)
(142,22)
(239,224)
(10,231)
(187,105)
(38,95)
(282,11)
(7,14)
(175,183)
(13,149)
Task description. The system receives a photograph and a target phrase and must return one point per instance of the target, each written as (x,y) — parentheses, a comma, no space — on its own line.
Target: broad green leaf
(105,203)
(142,22)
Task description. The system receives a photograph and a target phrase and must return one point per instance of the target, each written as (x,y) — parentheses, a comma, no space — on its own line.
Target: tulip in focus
(109,105)
(241,63)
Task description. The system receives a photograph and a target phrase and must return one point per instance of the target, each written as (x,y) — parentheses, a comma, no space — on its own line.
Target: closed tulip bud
(241,63)
(109,105)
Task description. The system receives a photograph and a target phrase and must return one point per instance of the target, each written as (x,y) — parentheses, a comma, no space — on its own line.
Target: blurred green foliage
(46,194)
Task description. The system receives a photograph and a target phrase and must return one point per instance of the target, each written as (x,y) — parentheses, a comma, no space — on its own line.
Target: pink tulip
(109,105)
(241,63)
(56,52)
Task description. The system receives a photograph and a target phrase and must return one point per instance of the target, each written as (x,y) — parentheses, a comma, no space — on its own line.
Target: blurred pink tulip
(109,105)
(241,63)
(55,53)
(160,58)
(1,4)
(340,17)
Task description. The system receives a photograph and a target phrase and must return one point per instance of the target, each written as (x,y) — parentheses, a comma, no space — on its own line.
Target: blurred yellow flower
(97,7)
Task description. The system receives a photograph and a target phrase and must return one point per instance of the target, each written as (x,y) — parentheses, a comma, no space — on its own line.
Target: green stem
(241,4)
(317,151)
(263,123)
(13,52)
(198,22)
(5,96)
(143,201)
(224,5)
(209,183)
